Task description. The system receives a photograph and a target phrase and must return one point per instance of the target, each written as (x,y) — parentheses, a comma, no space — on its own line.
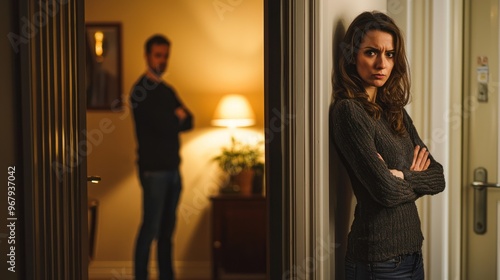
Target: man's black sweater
(157,127)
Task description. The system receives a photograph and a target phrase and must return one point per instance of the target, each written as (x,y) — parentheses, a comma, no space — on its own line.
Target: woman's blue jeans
(161,191)
(408,266)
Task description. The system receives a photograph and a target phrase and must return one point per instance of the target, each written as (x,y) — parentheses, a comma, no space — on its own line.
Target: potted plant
(238,161)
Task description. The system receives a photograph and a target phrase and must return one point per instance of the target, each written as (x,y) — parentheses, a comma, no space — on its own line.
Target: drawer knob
(217,244)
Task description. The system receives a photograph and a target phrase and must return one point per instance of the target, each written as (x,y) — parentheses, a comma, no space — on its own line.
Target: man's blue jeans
(161,190)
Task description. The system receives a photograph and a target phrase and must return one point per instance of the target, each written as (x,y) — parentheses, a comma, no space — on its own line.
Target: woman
(387,162)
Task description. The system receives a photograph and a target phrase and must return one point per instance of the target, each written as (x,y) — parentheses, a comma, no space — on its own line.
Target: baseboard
(123,270)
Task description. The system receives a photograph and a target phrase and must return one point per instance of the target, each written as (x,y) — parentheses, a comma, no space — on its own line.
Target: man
(159,117)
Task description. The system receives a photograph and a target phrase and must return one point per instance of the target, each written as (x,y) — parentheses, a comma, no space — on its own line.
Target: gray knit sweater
(386,222)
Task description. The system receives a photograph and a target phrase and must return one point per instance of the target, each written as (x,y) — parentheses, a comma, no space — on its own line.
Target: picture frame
(103,66)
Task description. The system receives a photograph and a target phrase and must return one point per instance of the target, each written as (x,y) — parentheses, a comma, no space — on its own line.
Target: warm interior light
(232,111)
(99,39)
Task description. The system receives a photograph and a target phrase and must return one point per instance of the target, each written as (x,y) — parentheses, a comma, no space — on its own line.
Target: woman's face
(375,60)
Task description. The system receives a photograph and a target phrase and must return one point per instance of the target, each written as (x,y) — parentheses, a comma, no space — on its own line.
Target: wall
(216,50)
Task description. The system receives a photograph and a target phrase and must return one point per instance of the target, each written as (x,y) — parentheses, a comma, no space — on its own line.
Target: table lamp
(233,111)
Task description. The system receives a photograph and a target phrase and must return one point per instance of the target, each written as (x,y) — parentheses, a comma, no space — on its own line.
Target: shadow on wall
(341,194)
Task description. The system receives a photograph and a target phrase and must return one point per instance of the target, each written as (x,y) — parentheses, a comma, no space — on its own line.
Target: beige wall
(214,52)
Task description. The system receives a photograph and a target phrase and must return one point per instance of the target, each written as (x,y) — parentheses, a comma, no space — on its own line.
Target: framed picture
(104,66)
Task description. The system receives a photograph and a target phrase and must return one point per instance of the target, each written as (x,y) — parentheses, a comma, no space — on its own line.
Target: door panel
(50,46)
(481,252)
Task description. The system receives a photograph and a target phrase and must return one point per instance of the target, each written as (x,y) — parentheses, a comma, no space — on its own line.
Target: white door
(481,236)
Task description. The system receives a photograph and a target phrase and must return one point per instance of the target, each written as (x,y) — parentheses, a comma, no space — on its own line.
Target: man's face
(157,58)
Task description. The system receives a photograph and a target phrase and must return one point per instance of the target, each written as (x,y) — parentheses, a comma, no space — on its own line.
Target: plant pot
(243,181)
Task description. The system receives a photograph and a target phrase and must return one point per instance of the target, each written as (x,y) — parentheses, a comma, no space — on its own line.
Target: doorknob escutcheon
(481,185)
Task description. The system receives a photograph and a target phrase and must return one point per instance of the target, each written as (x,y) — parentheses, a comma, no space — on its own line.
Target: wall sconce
(233,111)
(99,46)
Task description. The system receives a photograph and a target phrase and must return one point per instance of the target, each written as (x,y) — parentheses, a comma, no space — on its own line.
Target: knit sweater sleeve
(427,182)
(187,123)
(353,135)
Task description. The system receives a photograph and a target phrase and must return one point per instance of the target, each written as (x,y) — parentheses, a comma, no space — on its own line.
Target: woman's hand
(397,173)
(394,172)
(420,159)
(420,162)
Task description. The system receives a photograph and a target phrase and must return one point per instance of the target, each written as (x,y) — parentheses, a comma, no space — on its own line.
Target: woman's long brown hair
(347,84)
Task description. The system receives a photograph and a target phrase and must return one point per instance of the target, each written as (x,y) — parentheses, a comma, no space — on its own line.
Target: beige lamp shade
(233,110)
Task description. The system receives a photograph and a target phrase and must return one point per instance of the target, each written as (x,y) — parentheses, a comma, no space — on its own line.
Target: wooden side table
(239,234)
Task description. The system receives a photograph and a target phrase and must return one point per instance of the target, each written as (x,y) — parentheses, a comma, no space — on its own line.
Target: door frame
(436,109)
(297,51)
(452,231)
(53,107)
(437,112)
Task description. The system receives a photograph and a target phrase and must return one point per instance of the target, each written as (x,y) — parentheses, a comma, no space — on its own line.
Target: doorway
(215,51)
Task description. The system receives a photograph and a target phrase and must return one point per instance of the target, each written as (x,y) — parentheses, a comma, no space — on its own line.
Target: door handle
(94,179)
(481,185)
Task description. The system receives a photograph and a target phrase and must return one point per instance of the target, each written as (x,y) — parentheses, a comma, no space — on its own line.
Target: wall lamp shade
(232,111)
(99,45)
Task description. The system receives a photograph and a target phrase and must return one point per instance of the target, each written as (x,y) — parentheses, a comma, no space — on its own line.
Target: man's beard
(158,71)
